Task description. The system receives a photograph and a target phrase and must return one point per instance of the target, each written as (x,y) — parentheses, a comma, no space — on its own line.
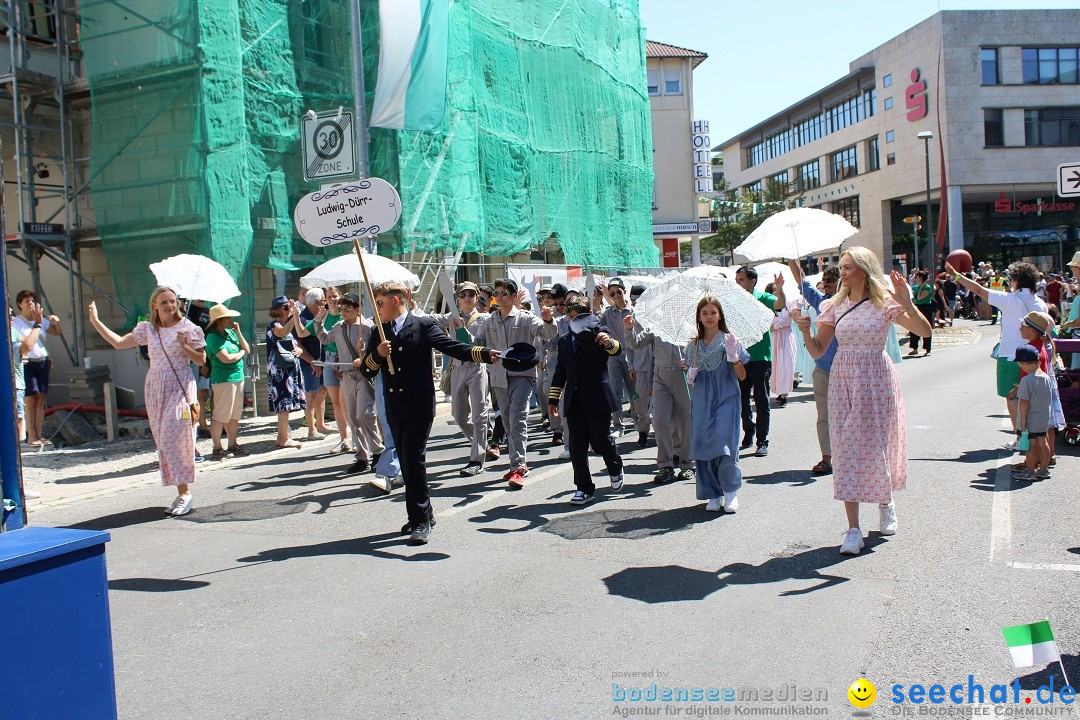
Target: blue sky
(769,54)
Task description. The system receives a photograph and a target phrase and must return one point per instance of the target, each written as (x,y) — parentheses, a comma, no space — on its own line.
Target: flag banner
(410,92)
(1031,644)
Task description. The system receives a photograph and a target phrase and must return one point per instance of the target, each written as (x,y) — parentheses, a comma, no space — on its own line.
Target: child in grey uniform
(1035,391)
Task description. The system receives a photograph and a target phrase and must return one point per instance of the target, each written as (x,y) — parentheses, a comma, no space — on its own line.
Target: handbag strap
(169,360)
(849,310)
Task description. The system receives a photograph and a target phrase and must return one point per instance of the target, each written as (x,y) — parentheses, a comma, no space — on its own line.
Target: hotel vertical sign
(699,132)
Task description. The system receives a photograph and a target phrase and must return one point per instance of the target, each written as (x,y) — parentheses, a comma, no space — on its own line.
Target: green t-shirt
(762,349)
(328,322)
(928,290)
(223,372)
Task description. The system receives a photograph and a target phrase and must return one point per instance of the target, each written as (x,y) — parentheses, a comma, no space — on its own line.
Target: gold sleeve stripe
(555,393)
(370,362)
(614,349)
(477,354)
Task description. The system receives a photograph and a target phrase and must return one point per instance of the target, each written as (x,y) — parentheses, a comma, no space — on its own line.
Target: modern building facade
(670,71)
(992,98)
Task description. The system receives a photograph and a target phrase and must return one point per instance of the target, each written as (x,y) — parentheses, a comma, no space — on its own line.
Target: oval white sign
(339,214)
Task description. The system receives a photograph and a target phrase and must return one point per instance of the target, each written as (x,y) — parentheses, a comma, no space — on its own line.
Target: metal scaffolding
(42,98)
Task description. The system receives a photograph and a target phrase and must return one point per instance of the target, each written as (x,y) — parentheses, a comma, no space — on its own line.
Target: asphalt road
(287,593)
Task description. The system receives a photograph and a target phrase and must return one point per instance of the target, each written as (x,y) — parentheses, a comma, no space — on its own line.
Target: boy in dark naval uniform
(410,391)
(582,381)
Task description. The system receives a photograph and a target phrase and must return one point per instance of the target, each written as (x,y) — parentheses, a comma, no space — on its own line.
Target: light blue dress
(715,418)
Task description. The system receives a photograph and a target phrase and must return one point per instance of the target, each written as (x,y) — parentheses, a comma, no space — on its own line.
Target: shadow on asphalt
(984,455)
(242,511)
(155,585)
(374,546)
(124,519)
(627,524)
(797,478)
(1051,674)
(674,583)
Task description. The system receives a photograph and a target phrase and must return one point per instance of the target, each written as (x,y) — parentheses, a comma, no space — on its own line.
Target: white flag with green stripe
(410,92)
(1031,644)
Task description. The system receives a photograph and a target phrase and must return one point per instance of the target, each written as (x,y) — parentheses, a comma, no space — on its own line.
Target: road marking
(1001,511)
(1044,566)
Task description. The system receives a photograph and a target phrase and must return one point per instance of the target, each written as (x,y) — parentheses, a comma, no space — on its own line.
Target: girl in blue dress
(715,361)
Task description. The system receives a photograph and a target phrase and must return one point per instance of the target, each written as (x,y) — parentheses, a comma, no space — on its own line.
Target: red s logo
(1003,204)
(916,102)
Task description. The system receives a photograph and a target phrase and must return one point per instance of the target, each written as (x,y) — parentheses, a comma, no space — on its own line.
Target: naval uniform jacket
(410,391)
(582,374)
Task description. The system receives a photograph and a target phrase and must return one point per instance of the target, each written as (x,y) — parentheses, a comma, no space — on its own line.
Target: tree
(737,219)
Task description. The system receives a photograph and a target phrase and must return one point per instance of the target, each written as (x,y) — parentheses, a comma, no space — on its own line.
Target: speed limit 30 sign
(328,146)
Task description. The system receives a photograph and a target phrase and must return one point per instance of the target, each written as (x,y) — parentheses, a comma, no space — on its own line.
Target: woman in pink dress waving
(173,342)
(866,408)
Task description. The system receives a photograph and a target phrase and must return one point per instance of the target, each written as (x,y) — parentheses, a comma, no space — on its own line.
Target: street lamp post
(926,136)
(1061,251)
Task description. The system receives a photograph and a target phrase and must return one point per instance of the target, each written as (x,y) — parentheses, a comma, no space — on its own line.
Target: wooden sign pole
(371,296)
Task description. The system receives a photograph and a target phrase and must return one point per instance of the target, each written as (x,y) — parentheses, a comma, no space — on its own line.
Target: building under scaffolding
(136,131)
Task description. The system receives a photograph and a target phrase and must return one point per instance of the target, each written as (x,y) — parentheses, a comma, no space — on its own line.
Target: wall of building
(944,52)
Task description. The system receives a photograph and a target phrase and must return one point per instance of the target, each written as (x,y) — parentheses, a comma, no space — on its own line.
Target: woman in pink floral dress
(866,408)
(173,341)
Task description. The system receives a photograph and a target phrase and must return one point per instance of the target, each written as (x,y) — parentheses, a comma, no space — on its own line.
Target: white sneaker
(713,505)
(382,483)
(341,447)
(731,503)
(888,518)
(616,481)
(184,506)
(853,542)
(31,494)
(565,454)
(175,504)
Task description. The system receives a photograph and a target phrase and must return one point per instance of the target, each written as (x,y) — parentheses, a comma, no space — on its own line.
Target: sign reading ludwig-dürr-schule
(354,210)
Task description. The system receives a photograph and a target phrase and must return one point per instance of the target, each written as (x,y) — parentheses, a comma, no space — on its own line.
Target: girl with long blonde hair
(173,342)
(866,406)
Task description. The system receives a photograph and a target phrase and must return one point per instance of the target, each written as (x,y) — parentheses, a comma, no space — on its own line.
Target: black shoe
(406,529)
(375,459)
(556,439)
(747,441)
(473,468)
(420,534)
(360,466)
(642,439)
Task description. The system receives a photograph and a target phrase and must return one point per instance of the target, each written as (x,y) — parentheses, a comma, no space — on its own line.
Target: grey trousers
(514,406)
(640,404)
(619,372)
(671,416)
(821,400)
(360,410)
(468,402)
(546,376)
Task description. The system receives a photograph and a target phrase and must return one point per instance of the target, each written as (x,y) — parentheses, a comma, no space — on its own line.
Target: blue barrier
(57,660)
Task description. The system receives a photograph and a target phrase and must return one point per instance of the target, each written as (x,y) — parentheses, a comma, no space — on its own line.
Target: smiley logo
(862,693)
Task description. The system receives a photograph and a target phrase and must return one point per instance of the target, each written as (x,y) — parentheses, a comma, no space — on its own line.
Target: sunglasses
(379,303)
(617,292)
(504,293)
(467,294)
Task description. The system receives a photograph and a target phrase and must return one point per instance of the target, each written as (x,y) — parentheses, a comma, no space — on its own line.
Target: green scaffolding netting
(196,147)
